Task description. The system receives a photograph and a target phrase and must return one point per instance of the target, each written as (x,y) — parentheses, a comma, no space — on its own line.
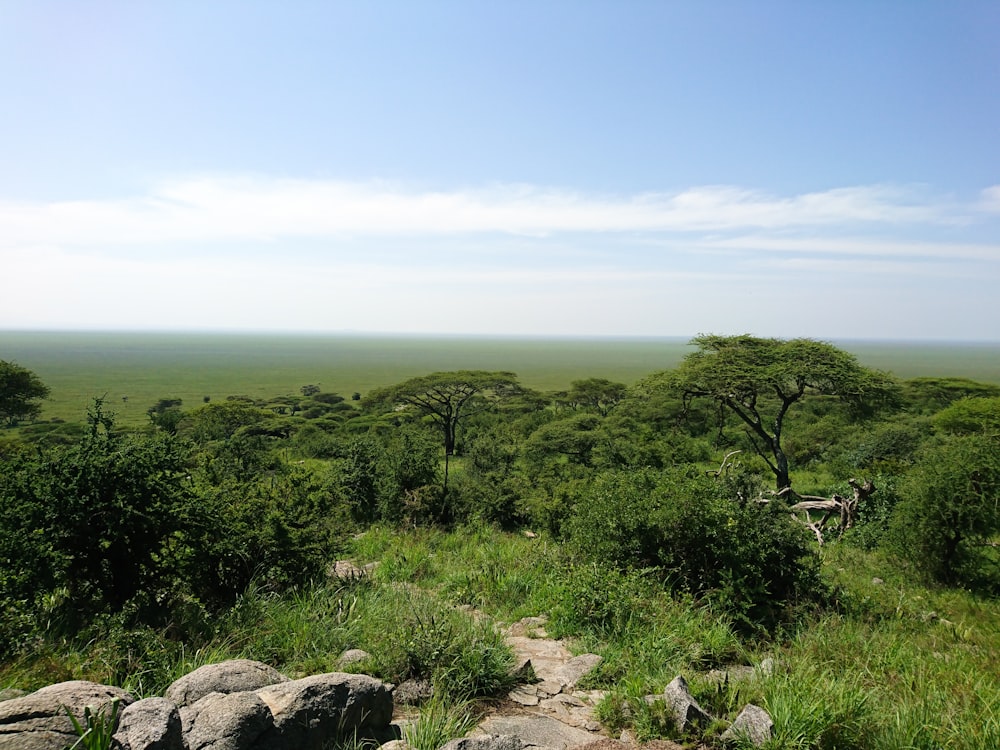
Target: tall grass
(891,665)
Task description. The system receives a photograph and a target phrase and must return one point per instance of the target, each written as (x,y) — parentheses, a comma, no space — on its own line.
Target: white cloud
(324,255)
(257,209)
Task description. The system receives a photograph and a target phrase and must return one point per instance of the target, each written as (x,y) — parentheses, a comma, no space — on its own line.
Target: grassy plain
(148,366)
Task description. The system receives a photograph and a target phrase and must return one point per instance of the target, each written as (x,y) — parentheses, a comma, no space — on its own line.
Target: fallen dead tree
(846,508)
(835,505)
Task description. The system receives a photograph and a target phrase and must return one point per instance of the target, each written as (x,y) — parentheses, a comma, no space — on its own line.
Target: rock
(577,668)
(683,707)
(150,724)
(7,693)
(345,570)
(877,581)
(395,745)
(38,721)
(352,656)
(753,723)
(234,676)
(529,627)
(630,743)
(766,666)
(311,711)
(222,721)
(523,670)
(540,731)
(574,709)
(729,674)
(524,696)
(413,692)
(485,742)
(605,743)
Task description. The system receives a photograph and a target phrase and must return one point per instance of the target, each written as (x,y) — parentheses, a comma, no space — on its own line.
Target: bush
(748,560)
(946,522)
(98,519)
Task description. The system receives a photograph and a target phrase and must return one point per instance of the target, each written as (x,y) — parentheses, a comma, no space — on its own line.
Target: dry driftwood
(846,507)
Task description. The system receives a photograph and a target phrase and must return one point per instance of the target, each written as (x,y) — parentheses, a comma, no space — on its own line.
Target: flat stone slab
(538,731)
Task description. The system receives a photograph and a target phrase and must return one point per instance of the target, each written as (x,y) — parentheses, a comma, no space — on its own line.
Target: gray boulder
(485,742)
(413,692)
(307,713)
(38,721)
(683,707)
(577,668)
(225,722)
(150,724)
(536,730)
(753,723)
(352,656)
(234,676)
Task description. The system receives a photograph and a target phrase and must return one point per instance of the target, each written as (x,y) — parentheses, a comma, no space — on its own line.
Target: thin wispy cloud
(859,246)
(336,255)
(260,209)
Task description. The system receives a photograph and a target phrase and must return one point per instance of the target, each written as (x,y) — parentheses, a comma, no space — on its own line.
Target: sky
(545,167)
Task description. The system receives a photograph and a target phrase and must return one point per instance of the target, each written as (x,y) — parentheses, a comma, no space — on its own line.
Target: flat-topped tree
(20,392)
(448,398)
(758,379)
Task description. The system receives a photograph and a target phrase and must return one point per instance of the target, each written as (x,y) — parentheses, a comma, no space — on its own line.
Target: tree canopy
(448,398)
(759,379)
(20,392)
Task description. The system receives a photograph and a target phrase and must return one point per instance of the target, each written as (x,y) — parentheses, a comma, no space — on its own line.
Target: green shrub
(946,523)
(749,560)
(421,637)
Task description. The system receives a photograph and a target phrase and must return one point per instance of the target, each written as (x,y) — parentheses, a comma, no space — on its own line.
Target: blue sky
(822,169)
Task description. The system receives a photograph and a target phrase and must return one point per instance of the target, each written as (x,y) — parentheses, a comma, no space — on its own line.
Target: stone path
(547,710)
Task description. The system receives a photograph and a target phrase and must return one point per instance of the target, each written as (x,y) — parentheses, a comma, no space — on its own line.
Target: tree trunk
(781,477)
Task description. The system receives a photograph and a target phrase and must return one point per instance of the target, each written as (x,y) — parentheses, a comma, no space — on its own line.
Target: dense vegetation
(667,539)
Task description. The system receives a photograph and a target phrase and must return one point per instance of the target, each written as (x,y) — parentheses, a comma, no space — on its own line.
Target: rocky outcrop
(753,724)
(233,676)
(150,724)
(684,709)
(39,720)
(247,706)
(550,674)
(225,722)
(307,713)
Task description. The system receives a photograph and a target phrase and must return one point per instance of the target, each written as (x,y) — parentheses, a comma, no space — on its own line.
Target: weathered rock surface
(485,742)
(609,744)
(537,730)
(684,708)
(221,721)
(38,721)
(550,673)
(352,656)
(413,692)
(233,676)
(576,669)
(150,724)
(309,712)
(754,723)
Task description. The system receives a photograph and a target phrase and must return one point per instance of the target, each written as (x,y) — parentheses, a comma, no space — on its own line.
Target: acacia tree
(448,398)
(759,379)
(600,394)
(20,392)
